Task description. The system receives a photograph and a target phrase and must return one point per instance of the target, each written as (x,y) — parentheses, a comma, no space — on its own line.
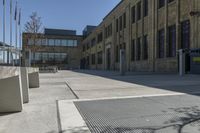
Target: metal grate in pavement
(142,115)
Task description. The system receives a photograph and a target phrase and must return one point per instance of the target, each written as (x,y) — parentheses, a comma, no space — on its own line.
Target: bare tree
(34,25)
(34,28)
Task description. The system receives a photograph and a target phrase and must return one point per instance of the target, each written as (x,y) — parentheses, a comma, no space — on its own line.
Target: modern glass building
(52,48)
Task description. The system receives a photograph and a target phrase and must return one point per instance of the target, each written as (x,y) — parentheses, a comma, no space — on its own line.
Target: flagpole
(20,36)
(11,30)
(16,34)
(4,29)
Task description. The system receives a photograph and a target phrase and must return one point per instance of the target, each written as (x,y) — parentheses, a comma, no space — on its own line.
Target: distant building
(55,47)
(87,30)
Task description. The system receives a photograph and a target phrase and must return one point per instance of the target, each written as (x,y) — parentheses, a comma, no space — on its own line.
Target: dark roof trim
(113,9)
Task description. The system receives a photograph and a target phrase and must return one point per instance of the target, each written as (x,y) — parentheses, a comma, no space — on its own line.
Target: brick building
(53,48)
(150,31)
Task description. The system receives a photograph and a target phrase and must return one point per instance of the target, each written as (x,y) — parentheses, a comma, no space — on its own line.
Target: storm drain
(142,115)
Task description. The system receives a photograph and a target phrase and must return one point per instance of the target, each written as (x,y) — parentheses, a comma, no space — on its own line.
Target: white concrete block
(34,80)
(25,84)
(11,94)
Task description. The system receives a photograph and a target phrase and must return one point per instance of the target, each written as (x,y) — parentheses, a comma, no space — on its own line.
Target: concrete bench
(33,76)
(11,99)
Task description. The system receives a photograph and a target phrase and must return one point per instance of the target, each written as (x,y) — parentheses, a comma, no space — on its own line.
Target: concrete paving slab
(70,119)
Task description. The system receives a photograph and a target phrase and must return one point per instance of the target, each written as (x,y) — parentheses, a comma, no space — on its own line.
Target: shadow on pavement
(189,84)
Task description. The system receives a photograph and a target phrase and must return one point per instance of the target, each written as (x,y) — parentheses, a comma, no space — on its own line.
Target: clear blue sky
(62,14)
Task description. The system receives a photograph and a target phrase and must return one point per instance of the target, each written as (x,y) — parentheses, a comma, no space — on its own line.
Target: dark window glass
(185,34)
(161,43)
(117,54)
(88,45)
(93,59)
(133,50)
(100,57)
(172,41)
(161,3)
(83,48)
(120,23)
(117,25)
(145,47)
(100,37)
(145,7)
(138,48)
(124,17)
(133,14)
(139,11)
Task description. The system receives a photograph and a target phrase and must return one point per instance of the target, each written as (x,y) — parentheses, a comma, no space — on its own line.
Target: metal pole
(11,28)
(4,29)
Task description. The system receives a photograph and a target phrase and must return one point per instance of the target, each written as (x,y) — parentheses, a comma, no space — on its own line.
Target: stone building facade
(52,48)
(150,32)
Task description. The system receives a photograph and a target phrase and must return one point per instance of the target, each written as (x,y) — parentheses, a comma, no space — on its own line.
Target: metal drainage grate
(142,115)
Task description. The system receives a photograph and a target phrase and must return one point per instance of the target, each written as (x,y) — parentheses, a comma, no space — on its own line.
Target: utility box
(195,61)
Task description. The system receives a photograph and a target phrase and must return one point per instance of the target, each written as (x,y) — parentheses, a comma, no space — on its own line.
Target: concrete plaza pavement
(105,84)
(40,114)
(137,102)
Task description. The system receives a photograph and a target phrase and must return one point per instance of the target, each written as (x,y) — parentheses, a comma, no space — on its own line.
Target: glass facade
(54,42)
(43,56)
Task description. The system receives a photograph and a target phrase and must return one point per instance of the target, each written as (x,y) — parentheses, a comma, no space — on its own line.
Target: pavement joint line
(58,117)
(125,97)
(76,96)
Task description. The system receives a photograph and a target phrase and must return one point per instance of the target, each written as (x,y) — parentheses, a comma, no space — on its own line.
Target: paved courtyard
(40,114)
(112,101)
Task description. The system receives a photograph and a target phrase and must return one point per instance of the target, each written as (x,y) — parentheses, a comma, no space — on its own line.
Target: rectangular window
(30,42)
(44,42)
(93,42)
(83,48)
(145,7)
(124,17)
(120,23)
(51,42)
(138,48)
(108,31)
(88,45)
(161,3)
(93,59)
(70,43)
(117,25)
(133,50)
(100,57)
(100,37)
(133,14)
(172,41)
(185,34)
(145,47)
(139,11)
(117,54)
(57,42)
(161,43)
